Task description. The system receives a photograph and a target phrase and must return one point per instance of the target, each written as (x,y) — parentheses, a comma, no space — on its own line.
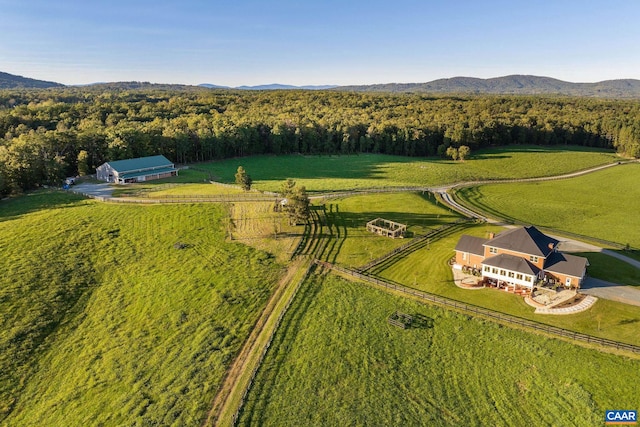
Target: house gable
(524,240)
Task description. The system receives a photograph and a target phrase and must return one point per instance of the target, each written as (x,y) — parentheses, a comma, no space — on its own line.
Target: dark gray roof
(123,166)
(567,264)
(471,244)
(512,263)
(527,240)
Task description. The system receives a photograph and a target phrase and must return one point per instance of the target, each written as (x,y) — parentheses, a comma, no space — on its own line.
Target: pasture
(120,314)
(336,361)
(329,173)
(357,246)
(603,204)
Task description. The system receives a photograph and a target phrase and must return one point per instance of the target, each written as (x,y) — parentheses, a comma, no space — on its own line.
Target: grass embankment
(336,361)
(603,204)
(105,321)
(330,173)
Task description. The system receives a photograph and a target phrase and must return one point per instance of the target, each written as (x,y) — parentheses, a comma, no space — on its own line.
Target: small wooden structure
(401,320)
(384,227)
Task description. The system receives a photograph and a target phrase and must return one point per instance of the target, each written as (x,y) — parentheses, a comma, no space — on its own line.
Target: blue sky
(238,42)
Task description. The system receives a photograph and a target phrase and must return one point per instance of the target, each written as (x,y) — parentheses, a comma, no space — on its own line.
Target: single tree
(287,188)
(243,179)
(463,152)
(452,152)
(300,210)
(295,202)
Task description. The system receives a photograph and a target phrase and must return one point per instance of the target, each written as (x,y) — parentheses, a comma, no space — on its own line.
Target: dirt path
(251,348)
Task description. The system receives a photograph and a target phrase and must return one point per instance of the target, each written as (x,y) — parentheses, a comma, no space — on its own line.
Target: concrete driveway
(611,291)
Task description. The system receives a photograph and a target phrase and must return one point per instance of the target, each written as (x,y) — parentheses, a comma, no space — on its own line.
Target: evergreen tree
(243,179)
(295,202)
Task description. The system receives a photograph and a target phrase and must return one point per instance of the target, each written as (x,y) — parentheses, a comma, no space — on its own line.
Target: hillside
(11,81)
(120,314)
(514,84)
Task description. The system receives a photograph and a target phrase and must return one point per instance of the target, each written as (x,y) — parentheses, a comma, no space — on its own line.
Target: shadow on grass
(420,321)
(631,253)
(36,201)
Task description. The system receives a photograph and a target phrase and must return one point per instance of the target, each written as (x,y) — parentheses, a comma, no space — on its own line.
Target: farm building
(519,258)
(384,227)
(136,170)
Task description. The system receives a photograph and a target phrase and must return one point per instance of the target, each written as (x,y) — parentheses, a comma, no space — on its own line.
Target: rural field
(336,361)
(120,314)
(116,314)
(356,246)
(604,204)
(329,173)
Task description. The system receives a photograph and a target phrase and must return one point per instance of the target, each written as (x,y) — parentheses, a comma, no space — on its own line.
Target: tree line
(46,135)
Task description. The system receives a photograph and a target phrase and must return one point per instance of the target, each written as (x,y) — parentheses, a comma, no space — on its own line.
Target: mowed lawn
(120,314)
(427,269)
(337,361)
(603,204)
(356,246)
(326,172)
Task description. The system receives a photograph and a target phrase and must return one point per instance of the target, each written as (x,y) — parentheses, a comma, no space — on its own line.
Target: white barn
(136,170)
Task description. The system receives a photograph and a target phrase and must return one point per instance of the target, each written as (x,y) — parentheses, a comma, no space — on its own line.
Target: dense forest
(49,134)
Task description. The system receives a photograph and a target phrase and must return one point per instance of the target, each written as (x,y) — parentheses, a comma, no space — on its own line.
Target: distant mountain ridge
(511,85)
(517,84)
(11,81)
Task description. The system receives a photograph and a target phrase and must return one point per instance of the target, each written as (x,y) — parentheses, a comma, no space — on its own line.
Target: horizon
(360,43)
(220,86)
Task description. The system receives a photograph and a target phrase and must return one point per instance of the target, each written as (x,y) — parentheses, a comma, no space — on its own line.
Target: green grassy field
(357,246)
(611,269)
(325,173)
(336,361)
(427,269)
(105,321)
(603,204)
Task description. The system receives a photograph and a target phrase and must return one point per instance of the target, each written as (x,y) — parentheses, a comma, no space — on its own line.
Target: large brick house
(519,258)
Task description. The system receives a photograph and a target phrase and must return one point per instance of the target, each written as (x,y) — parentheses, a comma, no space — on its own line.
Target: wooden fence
(479,311)
(414,242)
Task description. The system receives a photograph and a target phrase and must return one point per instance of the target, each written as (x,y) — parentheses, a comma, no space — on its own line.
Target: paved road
(611,291)
(102,190)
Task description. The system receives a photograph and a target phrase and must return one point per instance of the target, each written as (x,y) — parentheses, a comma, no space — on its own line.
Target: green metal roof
(144,173)
(124,166)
